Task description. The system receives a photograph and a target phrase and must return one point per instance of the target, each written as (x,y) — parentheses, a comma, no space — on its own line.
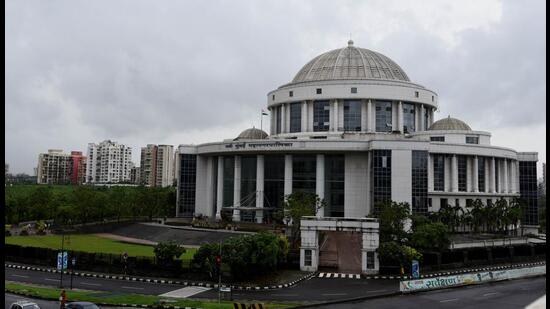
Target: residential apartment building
(108,162)
(56,167)
(157,165)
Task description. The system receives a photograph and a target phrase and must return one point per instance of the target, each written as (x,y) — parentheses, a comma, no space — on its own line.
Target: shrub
(8,233)
(24,232)
(168,250)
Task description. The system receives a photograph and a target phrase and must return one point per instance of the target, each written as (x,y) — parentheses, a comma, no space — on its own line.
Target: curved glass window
(321,116)
(383,116)
(352,115)
(408,118)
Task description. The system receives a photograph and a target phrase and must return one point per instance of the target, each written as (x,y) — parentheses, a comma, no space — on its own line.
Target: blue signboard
(62,260)
(415,269)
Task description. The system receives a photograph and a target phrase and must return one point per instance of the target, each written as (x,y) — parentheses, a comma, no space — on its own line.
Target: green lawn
(88,243)
(118,298)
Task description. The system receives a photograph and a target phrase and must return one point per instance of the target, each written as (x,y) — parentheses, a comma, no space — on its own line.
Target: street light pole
(220,276)
(62,249)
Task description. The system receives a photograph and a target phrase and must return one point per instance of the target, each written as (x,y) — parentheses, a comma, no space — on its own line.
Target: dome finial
(350,43)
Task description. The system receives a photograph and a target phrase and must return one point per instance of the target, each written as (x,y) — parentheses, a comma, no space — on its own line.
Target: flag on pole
(264,113)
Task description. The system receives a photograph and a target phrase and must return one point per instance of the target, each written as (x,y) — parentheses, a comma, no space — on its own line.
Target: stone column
(430,173)
(287,118)
(304,126)
(219,194)
(475,174)
(237,189)
(271,121)
(260,188)
(421,117)
(454,174)
(320,182)
(364,116)
(505,178)
(288,175)
(492,176)
(400,116)
(370,118)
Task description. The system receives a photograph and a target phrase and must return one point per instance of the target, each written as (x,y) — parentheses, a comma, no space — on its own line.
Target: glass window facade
(304,170)
(188,184)
(528,192)
(462,172)
(381,184)
(439,172)
(274,182)
(481,174)
(419,180)
(248,187)
(228,180)
(295,117)
(334,185)
(383,116)
(321,116)
(279,119)
(352,115)
(408,117)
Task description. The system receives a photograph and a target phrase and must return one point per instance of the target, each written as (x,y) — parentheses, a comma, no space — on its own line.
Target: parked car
(24,304)
(81,305)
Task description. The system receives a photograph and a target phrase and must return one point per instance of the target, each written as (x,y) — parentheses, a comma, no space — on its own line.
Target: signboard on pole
(415,269)
(62,258)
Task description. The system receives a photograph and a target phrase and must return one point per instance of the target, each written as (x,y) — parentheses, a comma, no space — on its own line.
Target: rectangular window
(381,184)
(334,185)
(408,118)
(370,260)
(481,174)
(383,116)
(437,138)
(469,202)
(430,202)
(304,171)
(321,116)
(353,89)
(188,181)
(274,183)
(472,140)
(457,202)
(295,117)
(273,97)
(439,172)
(319,91)
(278,120)
(528,192)
(444,203)
(462,172)
(352,115)
(416,94)
(307,258)
(419,179)
(291,93)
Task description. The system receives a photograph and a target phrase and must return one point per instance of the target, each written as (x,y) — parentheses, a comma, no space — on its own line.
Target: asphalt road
(315,289)
(502,295)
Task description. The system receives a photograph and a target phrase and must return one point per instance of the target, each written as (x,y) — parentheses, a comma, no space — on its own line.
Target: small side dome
(252,133)
(449,124)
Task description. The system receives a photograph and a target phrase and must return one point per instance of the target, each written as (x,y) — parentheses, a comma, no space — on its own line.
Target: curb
(438,274)
(162,281)
(102,304)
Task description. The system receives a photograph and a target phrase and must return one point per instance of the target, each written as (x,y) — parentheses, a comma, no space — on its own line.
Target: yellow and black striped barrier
(249,306)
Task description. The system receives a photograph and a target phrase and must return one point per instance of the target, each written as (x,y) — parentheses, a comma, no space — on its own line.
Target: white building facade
(353,129)
(108,162)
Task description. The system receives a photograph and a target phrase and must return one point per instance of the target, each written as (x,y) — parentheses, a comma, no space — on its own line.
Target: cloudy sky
(177,72)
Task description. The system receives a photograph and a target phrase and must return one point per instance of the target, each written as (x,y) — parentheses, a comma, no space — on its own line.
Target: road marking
(283,294)
(448,300)
(20,276)
(328,275)
(87,283)
(321,275)
(131,287)
(487,294)
(186,292)
(335,294)
(48,279)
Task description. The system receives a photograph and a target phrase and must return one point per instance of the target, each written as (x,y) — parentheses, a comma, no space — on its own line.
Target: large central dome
(350,63)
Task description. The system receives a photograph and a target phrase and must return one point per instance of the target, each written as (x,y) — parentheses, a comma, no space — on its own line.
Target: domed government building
(352,128)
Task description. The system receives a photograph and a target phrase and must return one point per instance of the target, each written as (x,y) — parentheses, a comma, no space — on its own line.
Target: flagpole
(262,120)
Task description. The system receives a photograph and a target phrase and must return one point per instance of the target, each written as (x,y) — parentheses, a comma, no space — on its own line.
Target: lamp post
(62,256)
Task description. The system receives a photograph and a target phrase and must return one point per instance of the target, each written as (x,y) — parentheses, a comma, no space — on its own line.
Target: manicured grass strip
(118,299)
(88,243)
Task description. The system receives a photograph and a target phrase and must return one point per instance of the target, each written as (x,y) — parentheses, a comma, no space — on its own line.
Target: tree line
(85,204)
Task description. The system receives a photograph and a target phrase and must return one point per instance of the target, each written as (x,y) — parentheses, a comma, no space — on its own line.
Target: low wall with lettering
(472,278)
